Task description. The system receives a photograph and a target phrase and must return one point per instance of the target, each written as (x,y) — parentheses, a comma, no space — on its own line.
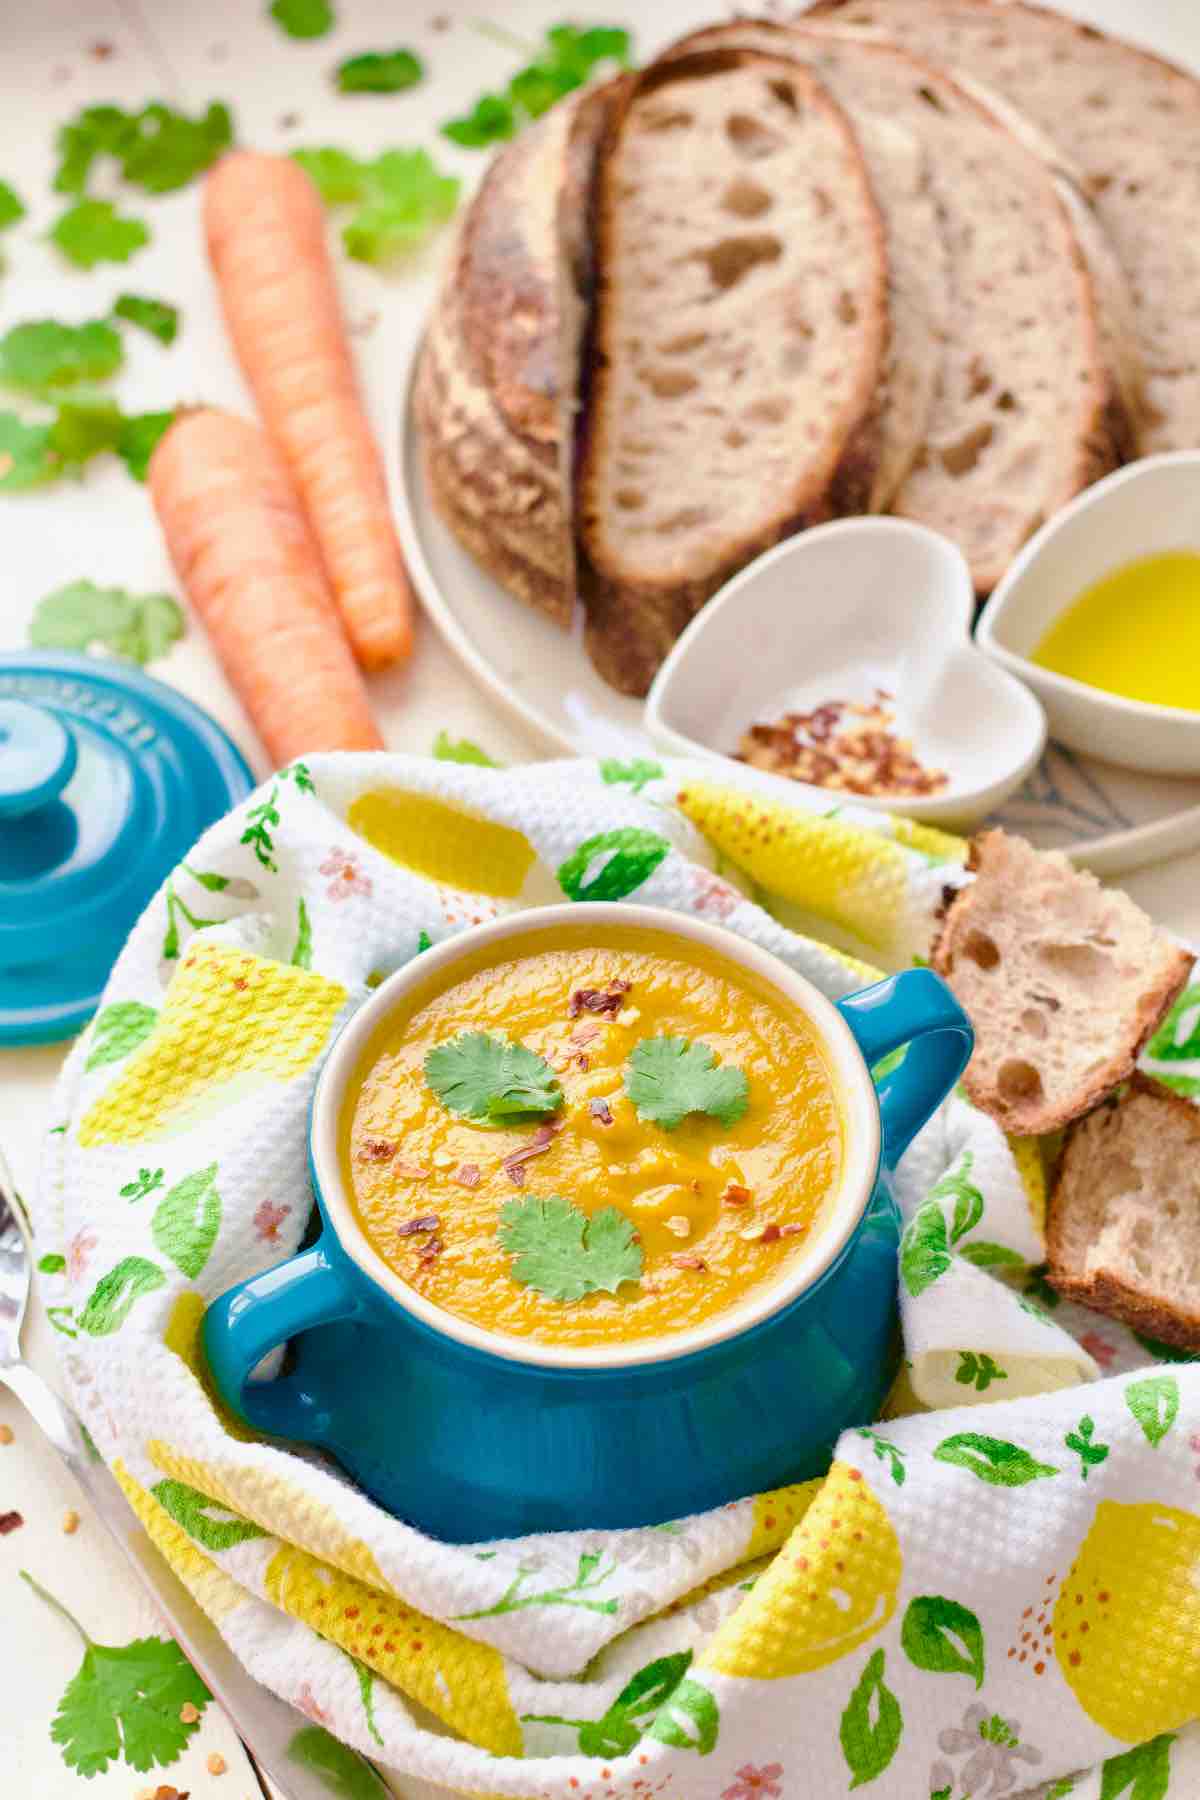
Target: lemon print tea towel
(993,1591)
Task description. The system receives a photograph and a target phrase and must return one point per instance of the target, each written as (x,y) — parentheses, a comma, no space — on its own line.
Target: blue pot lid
(107,778)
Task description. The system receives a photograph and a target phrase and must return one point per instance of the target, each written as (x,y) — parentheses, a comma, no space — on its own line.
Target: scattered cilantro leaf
(84,425)
(483,1077)
(12,207)
(96,131)
(81,614)
(562,1253)
(158,317)
(303,18)
(461,750)
(124,1703)
(158,149)
(669,1077)
(92,231)
(379,72)
(401,198)
(140,433)
(26,459)
(42,354)
(566,58)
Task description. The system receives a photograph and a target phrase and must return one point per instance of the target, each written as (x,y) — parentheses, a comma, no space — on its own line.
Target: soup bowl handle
(250,1320)
(915,1013)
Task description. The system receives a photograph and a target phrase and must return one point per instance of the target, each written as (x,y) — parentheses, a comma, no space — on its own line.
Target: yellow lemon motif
(230,1021)
(859,879)
(183,1337)
(831,1587)
(443,843)
(942,846)
(777,1513)
(1027,1154)
(215,1591)
(1127,1620)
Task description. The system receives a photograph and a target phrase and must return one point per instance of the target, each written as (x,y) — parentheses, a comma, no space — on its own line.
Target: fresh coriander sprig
(565,59)
(41,354)
(379,72)
(565,1255)
(400,198)
(484,1078)
(669,1077)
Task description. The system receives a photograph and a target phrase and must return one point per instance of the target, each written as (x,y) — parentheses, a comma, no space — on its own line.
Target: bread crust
(1106,1291)
(1037,1116)
(632,624)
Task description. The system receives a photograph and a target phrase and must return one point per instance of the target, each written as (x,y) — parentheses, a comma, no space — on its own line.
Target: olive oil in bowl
(1134,633)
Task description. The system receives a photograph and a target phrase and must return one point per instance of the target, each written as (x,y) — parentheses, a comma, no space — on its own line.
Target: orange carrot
(243,551)
(266,242)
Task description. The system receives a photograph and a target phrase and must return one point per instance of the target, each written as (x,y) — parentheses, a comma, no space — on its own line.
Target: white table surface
(57,57)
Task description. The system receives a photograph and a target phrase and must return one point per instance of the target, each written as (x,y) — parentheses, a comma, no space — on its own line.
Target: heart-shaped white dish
(838,613)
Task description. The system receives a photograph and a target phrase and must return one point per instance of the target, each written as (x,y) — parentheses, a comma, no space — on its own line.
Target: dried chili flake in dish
(514,1165)
(10,1521)
(413,1171)
(600,1109)
(469,1175)
(847,745)
(684,1259)
(771,1234)
(430,1251)
(414,1227)
(377,1149)
(736,1195)
(608,999)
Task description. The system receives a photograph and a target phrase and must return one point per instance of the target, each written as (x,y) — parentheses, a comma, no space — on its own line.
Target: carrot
(266,242)
(243,551)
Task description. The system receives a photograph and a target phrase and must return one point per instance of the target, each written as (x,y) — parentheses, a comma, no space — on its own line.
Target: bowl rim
(1023,667)
(853,1085)
(965,800)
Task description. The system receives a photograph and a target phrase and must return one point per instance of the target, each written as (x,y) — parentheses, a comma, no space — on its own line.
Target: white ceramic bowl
(1147,507)
(834,614)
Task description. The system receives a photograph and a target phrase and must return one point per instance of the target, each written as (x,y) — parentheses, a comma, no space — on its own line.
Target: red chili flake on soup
(414,1227)
(607,999)
(377,1149)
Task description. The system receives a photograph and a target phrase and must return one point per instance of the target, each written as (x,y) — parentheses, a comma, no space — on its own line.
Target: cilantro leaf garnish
(562,1253)
(42,354)
(12,207)
(158,148)
(96,131)
(140,433)
(158,317)
(84,425)
(485,1078)
(461,750)
(379,72)
(92,231)
(26,459)
(670,1077)
(302,18)
(400,198)
(140,627)
(566,58)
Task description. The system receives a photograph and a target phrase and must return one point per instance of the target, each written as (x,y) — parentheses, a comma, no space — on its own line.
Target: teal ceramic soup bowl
(469,1434)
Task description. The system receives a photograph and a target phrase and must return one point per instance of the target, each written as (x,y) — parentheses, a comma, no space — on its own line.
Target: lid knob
(37,757)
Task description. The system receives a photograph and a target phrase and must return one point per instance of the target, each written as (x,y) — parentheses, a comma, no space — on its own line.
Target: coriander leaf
(338,176)
(157,317)
(303,18)
(11,206)
(379,72)
(96,131)
(26,459)
(42,354)
(166,149)
(669,1077)
(93,232)
(485,1078)
(489,121)
(140,433)
(125,1702)
(461,750)
(81,614)
(84,425)
(404,199)
(562,1253)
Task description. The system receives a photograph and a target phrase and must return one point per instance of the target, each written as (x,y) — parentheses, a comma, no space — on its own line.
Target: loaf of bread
(739,336)
(1124,1220)
(1063,980)
(1128,123)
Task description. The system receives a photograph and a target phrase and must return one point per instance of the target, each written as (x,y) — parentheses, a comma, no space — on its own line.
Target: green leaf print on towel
(871,1725)
(1143,1773)
(985,1255)
(188,1218)
(886,1451)
(1090,1454)
(1154,1403)
(924,1249)
(590,1574)
(968,1201)
(633,774)
(194,1511)
(612,864)
(993,1460)
(111,1300)
(124,1702)
(118,1030)
(976,1369)
(343,1771)
(146,1182)
(943,1637)
(660,1700)
(366,1693)
(301,957)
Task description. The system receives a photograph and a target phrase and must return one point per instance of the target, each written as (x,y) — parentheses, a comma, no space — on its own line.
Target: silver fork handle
(50,1414)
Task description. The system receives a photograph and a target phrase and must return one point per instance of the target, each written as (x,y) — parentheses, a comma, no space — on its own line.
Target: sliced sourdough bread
(497,379)
(916,255)
(738,338)
(1124,1226)
(1063,980)
(1129,122)
(1028,411)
